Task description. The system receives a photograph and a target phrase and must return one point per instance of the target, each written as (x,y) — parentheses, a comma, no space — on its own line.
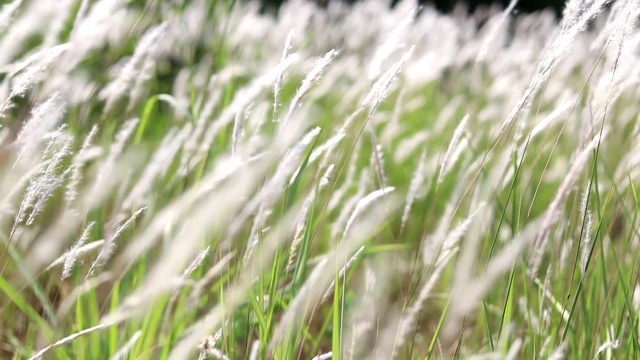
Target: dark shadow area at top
(446,6)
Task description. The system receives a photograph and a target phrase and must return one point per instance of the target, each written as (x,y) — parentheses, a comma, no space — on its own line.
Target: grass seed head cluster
(205,179)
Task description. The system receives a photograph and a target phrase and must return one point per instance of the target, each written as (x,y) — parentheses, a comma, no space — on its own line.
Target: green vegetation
(193,178)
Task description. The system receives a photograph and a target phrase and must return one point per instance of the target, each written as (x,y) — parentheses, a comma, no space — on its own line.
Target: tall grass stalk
(190,179)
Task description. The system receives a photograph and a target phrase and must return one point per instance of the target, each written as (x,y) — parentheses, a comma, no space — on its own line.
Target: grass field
(198,179)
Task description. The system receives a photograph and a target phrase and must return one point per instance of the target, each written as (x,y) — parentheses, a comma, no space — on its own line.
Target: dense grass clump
(196,178)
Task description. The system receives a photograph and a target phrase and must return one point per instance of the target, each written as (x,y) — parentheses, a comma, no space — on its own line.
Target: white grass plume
(157,167)
(110,244)
(607,346)
(195,263)
(363,204)
(213,352)
(381,88)
(559,47)
(213,272)
(323,274)
(7,13)
(80,14)
(407,321)
(556,304)
(255,350)
(175,293)
(395,128)
(549,119)
(301,221)
(277,86)
(44,119)
(123,352)
(105,171)
(339,193)
(362,320)
(374,98)
(33,73)
(264,200)
(42,186)
(514,349)
(71,259)
(209,215)
(449,158)
(326,149)
(551,214)
(312,77)
(559,353)
(342,272)
(318,151)
(58,22)
(491,37)
(64,224)
(466,297)
(441,243)
(377,160)
(586,241)
(193,266)
(241,100)
(237,129)
(152,41)
(83,155)
(408,145)
(236,294)
(127,81)
(392,42)
(325,356)
(433,243)
(69,339)
(180,207)
(96,26)
(437,255)
(76,251)
(416,183)
(468,288)
(348,205)
(192,145)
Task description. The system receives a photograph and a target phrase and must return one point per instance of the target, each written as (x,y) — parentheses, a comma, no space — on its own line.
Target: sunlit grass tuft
(203,179)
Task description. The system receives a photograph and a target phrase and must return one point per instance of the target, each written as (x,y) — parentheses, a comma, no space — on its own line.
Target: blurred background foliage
(523,6)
